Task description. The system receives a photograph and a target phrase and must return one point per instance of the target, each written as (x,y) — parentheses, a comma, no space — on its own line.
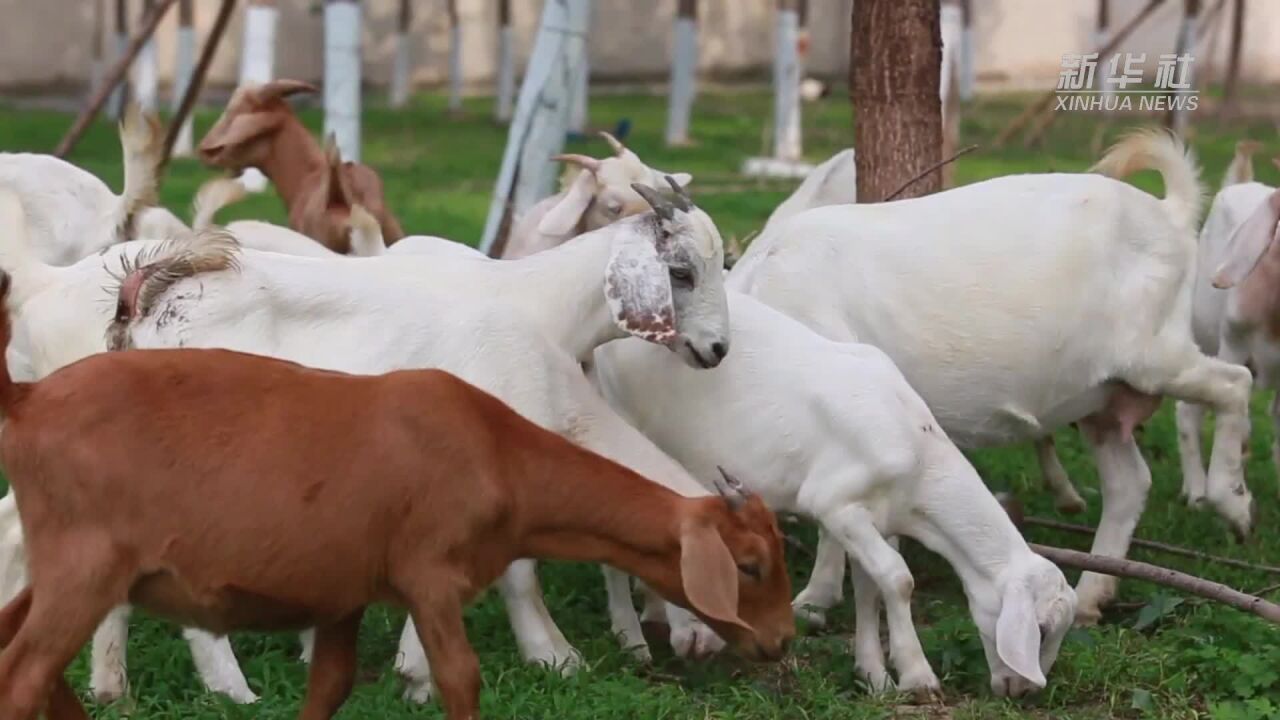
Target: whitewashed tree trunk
(506,63)
(258,54)
(184,64)
(1186,45)
(968,70)
(684,70)
(952,20)
(146,81)
(403,65)
(581,96)
(115,103)
(97,65)
(786,84)
(257,63)
(342,75)
(542,113)
(455,59)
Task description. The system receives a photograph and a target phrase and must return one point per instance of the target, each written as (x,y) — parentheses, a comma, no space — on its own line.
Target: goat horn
(618,147)
(682,201)
(661,205)
(731,489)
(283,89)
(585,162)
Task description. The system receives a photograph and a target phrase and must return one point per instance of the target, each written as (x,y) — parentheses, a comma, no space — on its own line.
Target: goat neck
(293,160)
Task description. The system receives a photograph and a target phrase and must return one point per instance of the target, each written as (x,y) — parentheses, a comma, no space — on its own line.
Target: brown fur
(234,491)
(259,129)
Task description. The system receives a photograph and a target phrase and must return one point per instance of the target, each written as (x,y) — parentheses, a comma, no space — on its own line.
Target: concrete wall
(1020,42)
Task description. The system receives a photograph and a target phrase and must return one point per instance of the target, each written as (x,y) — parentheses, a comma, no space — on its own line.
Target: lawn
(1156,655)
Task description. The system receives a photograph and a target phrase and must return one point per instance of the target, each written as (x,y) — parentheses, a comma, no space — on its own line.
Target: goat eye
(682,276)
(751,570)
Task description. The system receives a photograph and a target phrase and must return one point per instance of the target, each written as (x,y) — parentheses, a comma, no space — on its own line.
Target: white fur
(832,431)
(1012,304)
(513,328)
(834,182)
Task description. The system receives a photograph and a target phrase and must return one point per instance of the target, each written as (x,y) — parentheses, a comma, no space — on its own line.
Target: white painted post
(115,103)
(786,83)
(403,64)
(1186,46)
(455,58)
(342,75)
(258,53)
(952,21)
(968,71)
(581,96)
(145,80)
(542,113)
(684,70)
(183,64)
(506,63)
(97,65)
(1101,33)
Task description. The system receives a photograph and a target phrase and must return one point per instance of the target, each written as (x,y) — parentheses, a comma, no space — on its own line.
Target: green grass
(1195,660)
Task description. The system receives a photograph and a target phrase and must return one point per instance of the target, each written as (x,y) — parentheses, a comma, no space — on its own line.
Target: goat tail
(212,197)
(142,142)
(364,233)
(1160,150)
(1240,170)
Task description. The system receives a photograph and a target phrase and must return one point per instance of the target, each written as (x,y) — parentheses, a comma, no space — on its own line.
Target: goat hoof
(696,642)
(812,615)
(1088,616)
(923,686)
(1071,506)
(418,693)
(107,695)
(239,696)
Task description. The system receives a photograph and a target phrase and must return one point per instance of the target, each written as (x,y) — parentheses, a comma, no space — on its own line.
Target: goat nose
(720,349)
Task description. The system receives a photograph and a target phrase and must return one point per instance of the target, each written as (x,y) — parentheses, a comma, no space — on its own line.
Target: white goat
(834,182)
(833,431)
(1236,302)
(74,213)
(1021,304)
(662,281)
(601,193)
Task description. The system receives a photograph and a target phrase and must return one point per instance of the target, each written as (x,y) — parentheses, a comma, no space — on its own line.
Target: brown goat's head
(241,137)
(734,573)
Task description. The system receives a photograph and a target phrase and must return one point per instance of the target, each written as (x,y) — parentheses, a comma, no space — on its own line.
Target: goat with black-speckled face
(664,283)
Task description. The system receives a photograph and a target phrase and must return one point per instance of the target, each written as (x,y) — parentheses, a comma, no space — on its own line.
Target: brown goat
(259,129)
(239,492)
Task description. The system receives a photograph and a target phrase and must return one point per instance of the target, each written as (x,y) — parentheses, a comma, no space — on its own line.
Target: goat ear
(638,288)
(565,215)
(1249,242)
(682,179)
(709,575)
(337,194)
(240,130)
(1018,634)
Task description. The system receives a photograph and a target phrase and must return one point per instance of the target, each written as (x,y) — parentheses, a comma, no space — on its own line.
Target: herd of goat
(414,427)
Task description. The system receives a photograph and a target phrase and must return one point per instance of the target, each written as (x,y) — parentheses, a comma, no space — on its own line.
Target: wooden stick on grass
(1133,569)
(1153,545)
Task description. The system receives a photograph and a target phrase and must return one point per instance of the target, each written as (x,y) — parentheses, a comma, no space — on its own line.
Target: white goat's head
(1023,623)
(664,282)
(602,192)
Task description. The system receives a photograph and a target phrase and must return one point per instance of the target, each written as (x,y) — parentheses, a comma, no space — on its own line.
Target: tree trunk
(185,62)
(684,66)
(506,64)
(403,64)
(1233,60)
(787,141)
(455,58)
(342,75)
(894,66)
(120,95)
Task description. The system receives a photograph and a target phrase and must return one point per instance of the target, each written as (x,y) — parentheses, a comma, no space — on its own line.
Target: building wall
(1019,42)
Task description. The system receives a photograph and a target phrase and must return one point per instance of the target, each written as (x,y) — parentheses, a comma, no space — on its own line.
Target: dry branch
(1043,103)
(925,173)
(113,78)
(1153,545)
(1133,569)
